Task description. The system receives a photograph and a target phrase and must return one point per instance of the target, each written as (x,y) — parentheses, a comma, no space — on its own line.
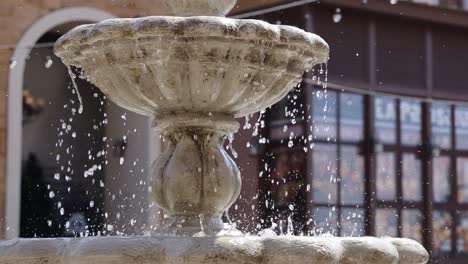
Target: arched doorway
(136,144)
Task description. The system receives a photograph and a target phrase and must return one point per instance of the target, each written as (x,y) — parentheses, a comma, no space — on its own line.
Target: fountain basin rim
(249,249)
(85,36)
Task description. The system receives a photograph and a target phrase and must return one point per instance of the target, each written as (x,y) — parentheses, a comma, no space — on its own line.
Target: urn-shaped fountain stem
(194,180)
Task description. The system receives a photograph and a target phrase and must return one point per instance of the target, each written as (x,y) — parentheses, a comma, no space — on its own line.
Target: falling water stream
(75,86)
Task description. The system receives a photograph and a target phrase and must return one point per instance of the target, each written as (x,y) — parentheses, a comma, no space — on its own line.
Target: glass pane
(462,178)
(461,127)
(352,222)
(325,221)
(324,114)
(410,117)
(287,178)
(441,175)
(324,174)
(462,230)
(412,183)
(440,119)
(352,117)
(386,185)
(352,176)
(442,223)
(385,119)
(412,224)
(386,221)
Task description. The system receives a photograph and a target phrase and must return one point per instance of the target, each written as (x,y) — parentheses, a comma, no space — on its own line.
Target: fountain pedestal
(195,181)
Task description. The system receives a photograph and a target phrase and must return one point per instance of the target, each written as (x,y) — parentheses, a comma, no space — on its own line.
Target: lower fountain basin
(211,250)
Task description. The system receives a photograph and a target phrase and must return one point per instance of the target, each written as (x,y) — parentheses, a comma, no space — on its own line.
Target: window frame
(369,147)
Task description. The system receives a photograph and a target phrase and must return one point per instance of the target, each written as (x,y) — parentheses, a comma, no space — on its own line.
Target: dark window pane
(351,115)
(386,185)
(386,222)
(410,117)
(352,176)
(442,234)
(287,177)
(411,178)
(462,178)
(385,119)
(441,175)
(411,224)
(462,230)
(352,222)
(441,123)
(324,173)
(461,127)
(325,220)
(324,114)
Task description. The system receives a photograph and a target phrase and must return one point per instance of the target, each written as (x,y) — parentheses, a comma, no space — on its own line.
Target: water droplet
(337,17)
(13,64)
(122,160)
(393,2)
(51,194)
(49,62)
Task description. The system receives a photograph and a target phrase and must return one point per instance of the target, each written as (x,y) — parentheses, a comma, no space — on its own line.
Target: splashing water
(231,147)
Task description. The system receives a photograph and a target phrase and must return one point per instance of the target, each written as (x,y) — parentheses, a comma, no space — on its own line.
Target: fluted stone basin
(213,250)
(160,65)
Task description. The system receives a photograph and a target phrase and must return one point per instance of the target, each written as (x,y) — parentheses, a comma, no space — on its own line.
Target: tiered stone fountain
(195,74)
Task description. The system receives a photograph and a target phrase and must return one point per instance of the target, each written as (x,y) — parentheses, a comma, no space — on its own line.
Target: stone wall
(16,16)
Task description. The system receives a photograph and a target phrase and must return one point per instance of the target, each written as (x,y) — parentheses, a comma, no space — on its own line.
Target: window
(398,128)
(332,182)
(327,166)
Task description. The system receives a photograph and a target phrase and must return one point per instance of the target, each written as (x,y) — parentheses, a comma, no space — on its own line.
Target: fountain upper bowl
(163,65)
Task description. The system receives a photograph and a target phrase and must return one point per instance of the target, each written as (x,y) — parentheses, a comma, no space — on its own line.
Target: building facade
(380,151)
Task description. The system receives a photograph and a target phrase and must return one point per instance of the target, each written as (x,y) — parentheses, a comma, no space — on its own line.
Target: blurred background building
(382,151)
